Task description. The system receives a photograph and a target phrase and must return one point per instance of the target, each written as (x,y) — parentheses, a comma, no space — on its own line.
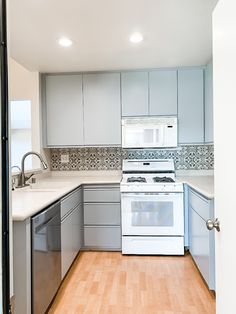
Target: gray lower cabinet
(201,240)
(64,110)
(71,241)
(102,112)
(71,238)
(163,92)
(102,229)
(134,94)
(71,229)
(191,105)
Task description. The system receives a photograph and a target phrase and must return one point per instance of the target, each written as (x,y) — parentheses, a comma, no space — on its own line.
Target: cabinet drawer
(71,201)
(101,195)
(102,214)
(201,205)
(102,237)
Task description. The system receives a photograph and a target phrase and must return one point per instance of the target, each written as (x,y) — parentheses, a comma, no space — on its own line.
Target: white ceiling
(176,33)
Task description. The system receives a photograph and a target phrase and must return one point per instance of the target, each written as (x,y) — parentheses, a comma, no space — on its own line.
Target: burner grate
(136,179)
(163,179)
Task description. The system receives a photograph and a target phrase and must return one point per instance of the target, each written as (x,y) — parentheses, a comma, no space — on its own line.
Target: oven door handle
(142,194)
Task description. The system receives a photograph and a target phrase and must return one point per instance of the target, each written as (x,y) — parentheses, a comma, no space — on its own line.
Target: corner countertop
(26,203)
(203,184)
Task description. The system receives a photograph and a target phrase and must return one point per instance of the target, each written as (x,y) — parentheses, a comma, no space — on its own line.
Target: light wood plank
(107,282)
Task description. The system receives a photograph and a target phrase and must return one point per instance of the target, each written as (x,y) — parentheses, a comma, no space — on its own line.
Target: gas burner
(136,179)
(163,179)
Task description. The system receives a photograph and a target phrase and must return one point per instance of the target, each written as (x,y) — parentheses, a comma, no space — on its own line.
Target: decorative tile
(188,157)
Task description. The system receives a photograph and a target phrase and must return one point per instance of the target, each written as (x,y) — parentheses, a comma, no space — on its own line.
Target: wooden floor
(107,282)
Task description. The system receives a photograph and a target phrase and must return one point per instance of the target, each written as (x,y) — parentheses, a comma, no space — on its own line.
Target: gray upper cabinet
(134,91)
(64,110)
(102,112)
(209,103)
(163,92)
(191,105)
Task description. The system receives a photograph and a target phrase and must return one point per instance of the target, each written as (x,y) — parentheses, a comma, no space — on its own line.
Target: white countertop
(26,203)
(202,184)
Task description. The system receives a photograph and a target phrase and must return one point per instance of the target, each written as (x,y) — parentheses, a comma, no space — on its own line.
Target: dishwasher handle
(43,225)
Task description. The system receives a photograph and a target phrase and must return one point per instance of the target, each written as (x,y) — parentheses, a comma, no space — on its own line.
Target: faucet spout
(23,179)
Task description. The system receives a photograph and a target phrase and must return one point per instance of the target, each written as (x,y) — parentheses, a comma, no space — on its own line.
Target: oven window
(146,213)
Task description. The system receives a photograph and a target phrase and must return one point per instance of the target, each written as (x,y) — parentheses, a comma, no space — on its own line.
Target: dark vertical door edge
(4,160)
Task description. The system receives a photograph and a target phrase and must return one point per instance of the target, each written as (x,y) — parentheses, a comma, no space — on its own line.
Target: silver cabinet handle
(213,224)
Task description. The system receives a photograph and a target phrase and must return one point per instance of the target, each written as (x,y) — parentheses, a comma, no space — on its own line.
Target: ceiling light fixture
(65,42)
(136,38)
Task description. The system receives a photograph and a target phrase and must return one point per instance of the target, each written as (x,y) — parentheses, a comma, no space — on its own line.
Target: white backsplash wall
(188,157)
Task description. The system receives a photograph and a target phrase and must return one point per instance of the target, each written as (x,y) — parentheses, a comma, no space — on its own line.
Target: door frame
(6,308)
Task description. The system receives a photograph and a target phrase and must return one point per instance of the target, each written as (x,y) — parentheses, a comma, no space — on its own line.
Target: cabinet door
(209,103)
(134,91)
(201,240)
(102,112)
(64,110)
(199,247)
(191,106)
(163,92)
(66,244)
(71,238)
(76,230)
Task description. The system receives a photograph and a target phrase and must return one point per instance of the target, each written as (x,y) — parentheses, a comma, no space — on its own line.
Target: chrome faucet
(17,167)
(23,178)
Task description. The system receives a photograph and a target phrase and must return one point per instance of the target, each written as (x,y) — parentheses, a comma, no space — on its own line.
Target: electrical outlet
(64,158)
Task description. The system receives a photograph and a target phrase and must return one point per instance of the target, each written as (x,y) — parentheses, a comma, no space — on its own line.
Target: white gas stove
(149,176)
(152,208)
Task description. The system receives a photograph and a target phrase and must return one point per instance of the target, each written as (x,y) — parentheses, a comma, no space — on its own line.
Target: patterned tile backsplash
(189,157)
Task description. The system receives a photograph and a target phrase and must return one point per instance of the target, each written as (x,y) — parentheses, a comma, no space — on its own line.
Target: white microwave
(149,132)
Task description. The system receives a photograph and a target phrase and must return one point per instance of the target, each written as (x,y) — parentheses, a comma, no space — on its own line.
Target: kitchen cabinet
(71,229)
(134,94)
(209,103)
(102,112)
(191,105)
(201,240)
(102,229)
(85,109)
(71,240)
(64,110)
(163,92)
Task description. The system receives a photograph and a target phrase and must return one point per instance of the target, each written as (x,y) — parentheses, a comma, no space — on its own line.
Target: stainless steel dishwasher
(46,257)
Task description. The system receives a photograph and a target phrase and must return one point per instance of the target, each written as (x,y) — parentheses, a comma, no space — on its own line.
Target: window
(21,135)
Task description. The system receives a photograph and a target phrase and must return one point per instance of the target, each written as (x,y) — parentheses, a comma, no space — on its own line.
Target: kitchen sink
(44,186)
(40,190)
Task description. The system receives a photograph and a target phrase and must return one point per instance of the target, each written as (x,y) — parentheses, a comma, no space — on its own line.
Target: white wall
(24,84)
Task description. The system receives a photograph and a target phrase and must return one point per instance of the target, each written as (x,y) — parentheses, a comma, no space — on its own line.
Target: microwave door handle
(159,136)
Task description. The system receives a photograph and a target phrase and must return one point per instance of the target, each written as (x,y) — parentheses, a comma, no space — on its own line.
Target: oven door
(152,214)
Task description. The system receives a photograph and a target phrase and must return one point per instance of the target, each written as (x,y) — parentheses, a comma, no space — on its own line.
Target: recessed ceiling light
(136,38)
(65,42)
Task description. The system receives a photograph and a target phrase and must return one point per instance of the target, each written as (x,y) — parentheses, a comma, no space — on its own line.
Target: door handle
(211,224)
